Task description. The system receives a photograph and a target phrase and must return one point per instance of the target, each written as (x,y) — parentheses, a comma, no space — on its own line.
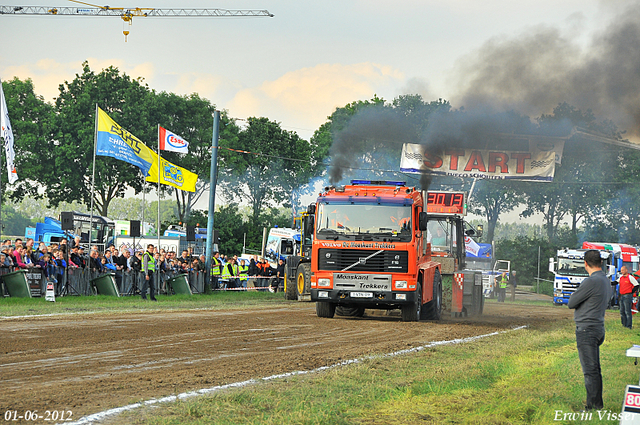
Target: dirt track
(89,363)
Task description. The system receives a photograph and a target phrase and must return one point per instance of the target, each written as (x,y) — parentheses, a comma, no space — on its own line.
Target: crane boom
(120,12)
(127,14)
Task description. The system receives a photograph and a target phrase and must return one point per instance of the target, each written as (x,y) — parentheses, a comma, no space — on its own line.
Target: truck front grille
(385,262)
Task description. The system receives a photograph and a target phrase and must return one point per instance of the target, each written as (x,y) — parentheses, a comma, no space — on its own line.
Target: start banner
(538,163)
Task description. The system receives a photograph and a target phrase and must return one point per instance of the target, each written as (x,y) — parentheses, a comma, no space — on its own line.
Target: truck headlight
(401,284)
(323,294)
(402,297)
(324,282)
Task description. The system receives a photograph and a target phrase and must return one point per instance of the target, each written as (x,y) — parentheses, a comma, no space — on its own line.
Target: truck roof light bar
(379,182)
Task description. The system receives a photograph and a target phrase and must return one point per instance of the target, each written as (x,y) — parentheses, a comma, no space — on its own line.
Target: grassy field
(107,304)
(528,376)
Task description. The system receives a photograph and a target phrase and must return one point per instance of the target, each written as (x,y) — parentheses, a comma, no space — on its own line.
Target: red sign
(446,203)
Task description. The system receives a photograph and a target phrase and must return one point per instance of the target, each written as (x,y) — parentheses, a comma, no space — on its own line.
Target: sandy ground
(89,363)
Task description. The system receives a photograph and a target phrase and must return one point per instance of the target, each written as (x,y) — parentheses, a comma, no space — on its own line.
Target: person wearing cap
(149,269)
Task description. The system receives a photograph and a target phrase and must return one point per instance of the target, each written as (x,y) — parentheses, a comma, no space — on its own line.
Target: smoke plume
(506,82)
(536,71)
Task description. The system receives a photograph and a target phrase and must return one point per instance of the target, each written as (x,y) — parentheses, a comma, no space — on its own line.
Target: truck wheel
(290,292)
(349,311)
(411,312)
(303,279)
(325,309)
(433,309)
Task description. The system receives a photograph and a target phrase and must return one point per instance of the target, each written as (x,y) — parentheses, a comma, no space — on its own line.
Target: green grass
(521,377)
(106,304)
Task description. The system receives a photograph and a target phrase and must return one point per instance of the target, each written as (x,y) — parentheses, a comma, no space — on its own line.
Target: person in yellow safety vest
(230,273)
(149,269)
(243,272)
(216,269)
(503,281)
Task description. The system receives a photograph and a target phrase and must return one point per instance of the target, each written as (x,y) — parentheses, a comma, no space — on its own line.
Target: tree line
(594,189)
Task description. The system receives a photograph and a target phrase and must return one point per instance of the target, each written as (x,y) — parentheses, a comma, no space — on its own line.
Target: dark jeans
(588,340)
(152,287)
(625,310)
(214,282)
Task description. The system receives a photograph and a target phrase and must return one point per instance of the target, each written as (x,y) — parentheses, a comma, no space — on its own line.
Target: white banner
(7,134)
(538,163)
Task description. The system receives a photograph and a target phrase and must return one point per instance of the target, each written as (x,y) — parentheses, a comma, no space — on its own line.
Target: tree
(575,191)
(32,120)
(191,117)
(492,198)
(278,162)
(125,100)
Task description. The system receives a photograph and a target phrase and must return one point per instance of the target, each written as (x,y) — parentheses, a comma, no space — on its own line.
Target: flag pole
(158,228)
(212,190)
(93,176)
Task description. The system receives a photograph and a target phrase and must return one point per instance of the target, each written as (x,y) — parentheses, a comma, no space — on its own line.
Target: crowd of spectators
(54,263)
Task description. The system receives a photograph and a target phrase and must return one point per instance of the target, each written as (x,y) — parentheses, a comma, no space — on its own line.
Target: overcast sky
(296,67)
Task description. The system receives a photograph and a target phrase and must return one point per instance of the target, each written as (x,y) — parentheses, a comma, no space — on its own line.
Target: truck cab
(569,272)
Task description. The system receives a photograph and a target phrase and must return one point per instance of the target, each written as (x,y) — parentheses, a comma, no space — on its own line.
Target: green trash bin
(180,284)
(16,284)
(105,285)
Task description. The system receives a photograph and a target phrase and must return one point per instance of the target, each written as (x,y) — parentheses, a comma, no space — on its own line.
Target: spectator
(185,260)
(279,278)
(61,267)
(76,242)
(94,262)
(108,262)
(230,274)
(123,261)
(149,269)
(243,273)
(75,257)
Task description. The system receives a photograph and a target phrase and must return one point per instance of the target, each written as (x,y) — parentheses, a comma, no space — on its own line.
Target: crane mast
(127,14)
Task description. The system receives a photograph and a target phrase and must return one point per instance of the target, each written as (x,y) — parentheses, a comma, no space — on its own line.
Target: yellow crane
(127,14)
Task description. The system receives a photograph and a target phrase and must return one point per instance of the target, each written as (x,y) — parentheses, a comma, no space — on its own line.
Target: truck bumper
(378,299)
(560,300)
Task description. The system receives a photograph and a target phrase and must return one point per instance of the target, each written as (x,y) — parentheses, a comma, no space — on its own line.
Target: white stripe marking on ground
(96,417)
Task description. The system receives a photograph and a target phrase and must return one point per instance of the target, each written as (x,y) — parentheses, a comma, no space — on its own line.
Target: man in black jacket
(590,301)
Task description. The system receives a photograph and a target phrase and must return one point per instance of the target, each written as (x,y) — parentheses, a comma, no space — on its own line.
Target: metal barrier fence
(78,282)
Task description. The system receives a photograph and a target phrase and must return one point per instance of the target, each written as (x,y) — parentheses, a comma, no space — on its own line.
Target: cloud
(48,74)
(307,96)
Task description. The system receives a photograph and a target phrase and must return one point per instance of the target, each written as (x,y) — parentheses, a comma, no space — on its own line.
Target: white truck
(569,271)
(281,244)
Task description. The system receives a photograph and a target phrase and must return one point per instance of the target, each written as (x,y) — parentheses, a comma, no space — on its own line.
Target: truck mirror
(470,232)
(311,209)
(551,264)
(310,225)
(422,221)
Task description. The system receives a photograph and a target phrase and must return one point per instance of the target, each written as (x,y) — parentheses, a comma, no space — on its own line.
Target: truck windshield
(632,266)
(571,267)
(367,221)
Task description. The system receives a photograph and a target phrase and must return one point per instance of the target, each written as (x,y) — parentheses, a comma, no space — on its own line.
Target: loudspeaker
(66,220)
(134,228)
(191,233)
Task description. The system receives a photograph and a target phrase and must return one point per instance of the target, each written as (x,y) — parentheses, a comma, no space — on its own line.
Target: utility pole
(213,178)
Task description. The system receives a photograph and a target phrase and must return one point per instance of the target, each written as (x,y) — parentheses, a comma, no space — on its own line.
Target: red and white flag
(172,142)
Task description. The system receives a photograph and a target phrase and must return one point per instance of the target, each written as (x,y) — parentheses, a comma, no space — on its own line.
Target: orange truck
(368,245)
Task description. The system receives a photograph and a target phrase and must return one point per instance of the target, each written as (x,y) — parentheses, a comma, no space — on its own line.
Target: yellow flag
(172,175)
(116,142)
